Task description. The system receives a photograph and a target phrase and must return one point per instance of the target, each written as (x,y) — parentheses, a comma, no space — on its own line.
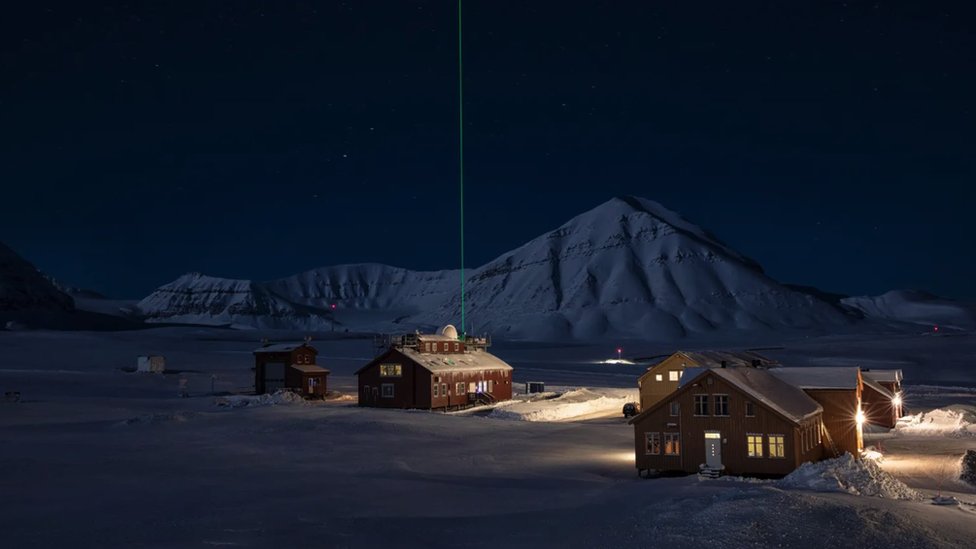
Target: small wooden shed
(151,363)
(289,366)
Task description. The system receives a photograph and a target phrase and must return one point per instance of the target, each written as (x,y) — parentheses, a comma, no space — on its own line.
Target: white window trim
(715,403)
(664,444)
(674,375)
(671,409)
(769,445)
(648,445)
(658,377)
(749,446)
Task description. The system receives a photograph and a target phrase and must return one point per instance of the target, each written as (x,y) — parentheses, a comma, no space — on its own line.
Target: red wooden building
(289,366)
(883,408)
(740,421)
(838,390)
(434,371)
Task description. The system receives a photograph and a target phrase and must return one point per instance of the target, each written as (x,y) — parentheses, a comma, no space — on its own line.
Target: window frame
(460,388)
(781,445)
(652,444)
(715,408)
(383,390)
(750,408)
(674,375)
(385,369)
(658,377)
(674,408)
(754,441)
(674,439)
(701,405)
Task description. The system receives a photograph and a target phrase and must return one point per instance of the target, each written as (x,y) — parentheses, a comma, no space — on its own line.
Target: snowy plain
(96,456)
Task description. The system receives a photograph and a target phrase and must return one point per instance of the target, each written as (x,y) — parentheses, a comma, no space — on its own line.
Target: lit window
(459,389)
(701,405)
(750,409)
(652,443)
(391,370)
(675,408)
(491,385)
(673,375)
(427,345)
(672,444)
(658,377)
(387,390)
(754,445)
(721,405)
(777,446)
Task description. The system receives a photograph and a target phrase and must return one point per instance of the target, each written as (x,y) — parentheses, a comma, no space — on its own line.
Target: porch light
(859,418)
(896,400)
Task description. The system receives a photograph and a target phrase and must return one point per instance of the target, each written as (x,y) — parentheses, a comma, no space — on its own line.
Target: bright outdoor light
(859,417)
(896,400)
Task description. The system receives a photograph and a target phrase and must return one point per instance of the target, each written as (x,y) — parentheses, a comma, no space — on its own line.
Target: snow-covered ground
(94,455)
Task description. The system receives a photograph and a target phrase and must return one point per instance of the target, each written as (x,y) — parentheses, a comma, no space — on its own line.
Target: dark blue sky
(832,142)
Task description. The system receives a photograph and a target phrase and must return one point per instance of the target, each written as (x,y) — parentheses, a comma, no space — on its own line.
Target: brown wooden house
(740,421)
(289,366)
(838,390)
(882,409)
(662,379)
(434,371)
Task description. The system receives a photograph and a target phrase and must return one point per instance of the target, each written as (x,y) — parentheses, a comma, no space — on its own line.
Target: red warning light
(935,328)
(333,306)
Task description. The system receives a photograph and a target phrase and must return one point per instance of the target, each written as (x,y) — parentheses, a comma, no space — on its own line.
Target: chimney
(723,364)
(264,342)
(756,363)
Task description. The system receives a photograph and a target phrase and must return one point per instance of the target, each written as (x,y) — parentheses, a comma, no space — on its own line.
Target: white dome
(449,331)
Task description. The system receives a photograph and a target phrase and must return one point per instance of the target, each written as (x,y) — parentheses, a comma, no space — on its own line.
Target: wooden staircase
(831,445)
(705,471)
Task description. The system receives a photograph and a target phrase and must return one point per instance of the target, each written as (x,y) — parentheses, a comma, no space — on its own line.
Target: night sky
(833,142)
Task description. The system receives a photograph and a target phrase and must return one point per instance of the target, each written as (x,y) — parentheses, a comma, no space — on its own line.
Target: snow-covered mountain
(24,288)
(634,268)
(915,307)
(629,267)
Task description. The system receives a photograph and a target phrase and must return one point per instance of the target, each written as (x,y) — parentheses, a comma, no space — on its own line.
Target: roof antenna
(463,331)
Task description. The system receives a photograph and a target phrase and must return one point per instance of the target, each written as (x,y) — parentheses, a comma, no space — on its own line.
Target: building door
(274,377)
(713,449)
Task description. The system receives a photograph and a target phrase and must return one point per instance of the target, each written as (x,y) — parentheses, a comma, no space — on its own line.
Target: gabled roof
(467,361)
(714,359)
(819,377)
(435,362)
(283,348)
(310,368)
(881,389)
(788,401)
(887,376)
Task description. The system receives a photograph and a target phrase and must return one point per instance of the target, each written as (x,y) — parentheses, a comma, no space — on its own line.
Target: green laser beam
(461,159)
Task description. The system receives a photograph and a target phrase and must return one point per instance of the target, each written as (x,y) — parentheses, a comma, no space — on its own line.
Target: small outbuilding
(838,390)
(289,366)
(435,371)
(151,363)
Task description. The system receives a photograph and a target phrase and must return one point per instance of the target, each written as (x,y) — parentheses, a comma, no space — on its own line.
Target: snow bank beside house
(572,404)
(951,421)
(269,399)
(846,474)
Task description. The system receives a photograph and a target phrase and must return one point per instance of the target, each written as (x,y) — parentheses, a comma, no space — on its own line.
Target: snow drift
(845,474)
(572,404)
(957,420)
(915,307)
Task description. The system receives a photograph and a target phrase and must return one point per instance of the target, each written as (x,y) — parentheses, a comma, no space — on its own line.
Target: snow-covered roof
(467,361)
(435,337)
(310,368)
(714,359)
(282,347)
(868,382)
(887,376)
(819,377)
(767,389)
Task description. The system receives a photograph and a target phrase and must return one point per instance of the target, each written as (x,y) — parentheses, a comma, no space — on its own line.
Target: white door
(713,449)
